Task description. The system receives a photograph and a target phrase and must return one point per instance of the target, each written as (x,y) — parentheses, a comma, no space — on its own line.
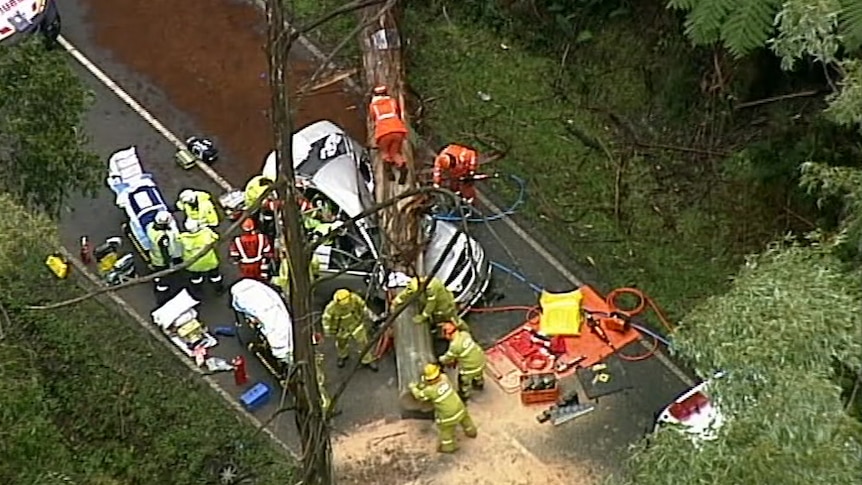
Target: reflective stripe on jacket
(466,352)
(387,116)
(448,407)
(344,319)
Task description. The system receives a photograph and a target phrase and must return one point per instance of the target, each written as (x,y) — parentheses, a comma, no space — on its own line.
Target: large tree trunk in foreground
(383,65)
(310,419)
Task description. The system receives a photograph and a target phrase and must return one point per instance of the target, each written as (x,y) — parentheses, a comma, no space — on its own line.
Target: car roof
(324,154)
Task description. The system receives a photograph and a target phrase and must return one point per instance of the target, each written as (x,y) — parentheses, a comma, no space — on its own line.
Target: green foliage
(87,395)
(807,29)
(740,25)
(851,23)
(42,104)
(845,105)
(791,314)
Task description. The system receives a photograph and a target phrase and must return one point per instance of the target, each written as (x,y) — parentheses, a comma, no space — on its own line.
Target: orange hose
(643,302)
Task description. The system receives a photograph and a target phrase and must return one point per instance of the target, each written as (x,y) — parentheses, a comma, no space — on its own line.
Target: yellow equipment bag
(58,265)
(561,313)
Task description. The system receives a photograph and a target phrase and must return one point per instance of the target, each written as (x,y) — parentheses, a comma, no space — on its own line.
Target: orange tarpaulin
(524,350)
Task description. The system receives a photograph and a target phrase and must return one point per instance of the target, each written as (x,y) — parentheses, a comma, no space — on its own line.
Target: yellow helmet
(341,296)
(431,372)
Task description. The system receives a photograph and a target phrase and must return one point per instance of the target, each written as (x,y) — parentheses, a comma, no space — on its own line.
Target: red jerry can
(240,375)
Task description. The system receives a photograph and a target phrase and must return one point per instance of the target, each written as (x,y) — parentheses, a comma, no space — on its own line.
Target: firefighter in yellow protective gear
(468,355)
(194,241)
(346,318)
(449,409)
(437,303)
(198,205)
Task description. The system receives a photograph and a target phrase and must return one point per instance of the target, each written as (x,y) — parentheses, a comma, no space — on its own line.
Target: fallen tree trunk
(383,65)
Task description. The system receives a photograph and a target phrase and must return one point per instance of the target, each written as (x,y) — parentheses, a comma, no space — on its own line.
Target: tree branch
(346,40)
(346,8)
(161,274)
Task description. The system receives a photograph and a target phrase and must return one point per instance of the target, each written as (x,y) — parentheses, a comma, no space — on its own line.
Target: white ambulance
(27,17)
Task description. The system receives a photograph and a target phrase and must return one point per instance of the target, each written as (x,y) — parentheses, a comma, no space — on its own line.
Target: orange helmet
(445,161)
(449,329)
(380,90)
(248,225)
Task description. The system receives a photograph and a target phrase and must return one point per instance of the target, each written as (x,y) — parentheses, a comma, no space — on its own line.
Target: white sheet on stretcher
(258,300)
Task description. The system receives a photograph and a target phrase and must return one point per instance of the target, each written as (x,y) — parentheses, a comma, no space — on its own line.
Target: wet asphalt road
(600,437)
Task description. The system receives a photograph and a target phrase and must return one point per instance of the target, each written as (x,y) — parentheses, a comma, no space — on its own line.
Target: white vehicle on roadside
(28,16)
(333,168)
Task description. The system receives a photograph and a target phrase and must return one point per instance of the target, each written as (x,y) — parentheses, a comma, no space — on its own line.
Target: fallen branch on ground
(775,99)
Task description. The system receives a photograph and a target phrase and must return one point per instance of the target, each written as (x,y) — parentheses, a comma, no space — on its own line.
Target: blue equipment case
(256,397)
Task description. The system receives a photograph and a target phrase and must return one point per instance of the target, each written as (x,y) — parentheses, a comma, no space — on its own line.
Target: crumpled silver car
(334,168)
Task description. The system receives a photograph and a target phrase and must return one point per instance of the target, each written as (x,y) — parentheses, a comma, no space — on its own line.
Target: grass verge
(88,397)
(669,222)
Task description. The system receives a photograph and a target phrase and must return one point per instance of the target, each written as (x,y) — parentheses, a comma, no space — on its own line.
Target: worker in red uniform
(389,132)
(252,251)
(455,166)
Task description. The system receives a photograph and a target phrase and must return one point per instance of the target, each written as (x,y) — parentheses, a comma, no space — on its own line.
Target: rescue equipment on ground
(58,265)
(256,397)
(202,148)
(178,320)
(217,364)
(111,266)
(539,388)
(240,375)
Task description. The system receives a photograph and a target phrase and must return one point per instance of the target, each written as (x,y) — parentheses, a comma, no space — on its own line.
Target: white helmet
(187,196)
(163,218)
(192,225)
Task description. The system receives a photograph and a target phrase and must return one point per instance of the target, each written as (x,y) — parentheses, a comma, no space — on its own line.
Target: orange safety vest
(387,116)
(466,161)
(243,247)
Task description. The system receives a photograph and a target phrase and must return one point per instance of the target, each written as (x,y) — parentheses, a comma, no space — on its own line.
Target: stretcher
(262,310)
(138,195)
(178,320)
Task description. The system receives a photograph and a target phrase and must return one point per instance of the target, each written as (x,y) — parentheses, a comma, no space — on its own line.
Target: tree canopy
(782,333)
(42,147)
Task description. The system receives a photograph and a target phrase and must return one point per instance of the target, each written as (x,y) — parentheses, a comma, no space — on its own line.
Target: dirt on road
(207,56)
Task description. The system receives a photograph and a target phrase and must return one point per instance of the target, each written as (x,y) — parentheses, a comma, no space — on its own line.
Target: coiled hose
(513,208)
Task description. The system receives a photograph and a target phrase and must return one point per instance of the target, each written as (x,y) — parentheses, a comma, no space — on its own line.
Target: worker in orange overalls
(389,132)
(456,165)
(252,251)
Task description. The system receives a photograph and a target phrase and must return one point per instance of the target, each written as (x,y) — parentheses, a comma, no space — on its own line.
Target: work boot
(479,384)
(372,365)
(446,449)
(471,433)
(390,172)
(402,175)
(341,361)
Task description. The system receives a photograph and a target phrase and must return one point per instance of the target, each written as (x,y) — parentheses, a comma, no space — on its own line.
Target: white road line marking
(137,108)
(151,328)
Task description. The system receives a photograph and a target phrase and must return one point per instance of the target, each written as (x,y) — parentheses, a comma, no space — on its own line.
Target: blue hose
(518,276)
(538,289)
(522,196)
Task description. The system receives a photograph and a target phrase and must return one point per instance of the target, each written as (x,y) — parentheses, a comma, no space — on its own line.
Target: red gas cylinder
(240,375)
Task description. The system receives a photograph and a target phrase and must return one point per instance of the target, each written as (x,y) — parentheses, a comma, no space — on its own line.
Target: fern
(748,25)
(703,23)
(684,5)
(851,23)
